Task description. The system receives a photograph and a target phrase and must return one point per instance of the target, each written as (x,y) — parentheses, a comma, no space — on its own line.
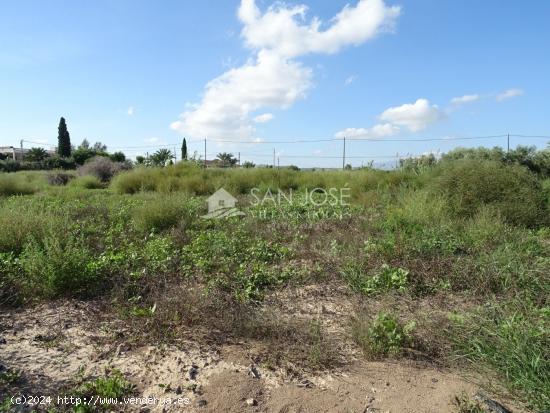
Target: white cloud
(349,80)
(461,100)
(378,131)
(152,140)
(263,118)
(272,78)
(414,116)
(130,111)
(267,81)
(283,28)
(508,94)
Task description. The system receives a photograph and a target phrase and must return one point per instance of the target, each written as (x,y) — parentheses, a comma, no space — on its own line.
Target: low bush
(235,261)
(383,336)
(59,266)
(138,180)
(20,226)
(11,184)
(59,178)
(87,182)
(467,185)
(102,168)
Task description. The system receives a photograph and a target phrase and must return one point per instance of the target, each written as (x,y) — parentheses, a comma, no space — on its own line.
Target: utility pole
(175,156)
(21,149)
(344,155)
(204,153)
(278,163)
(239,159)
(508,144)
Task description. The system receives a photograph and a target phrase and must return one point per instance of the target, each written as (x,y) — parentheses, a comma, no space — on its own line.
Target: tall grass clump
(516,193)
(86,182)
(19,226)
(14,184)
(165,212)
(514,340)
(137,180)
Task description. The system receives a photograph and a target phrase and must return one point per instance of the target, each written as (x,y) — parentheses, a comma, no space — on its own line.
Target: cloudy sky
(252,76)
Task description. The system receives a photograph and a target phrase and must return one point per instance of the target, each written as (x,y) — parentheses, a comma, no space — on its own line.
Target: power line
(303,140)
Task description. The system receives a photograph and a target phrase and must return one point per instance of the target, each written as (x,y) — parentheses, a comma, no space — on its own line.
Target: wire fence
(343,149)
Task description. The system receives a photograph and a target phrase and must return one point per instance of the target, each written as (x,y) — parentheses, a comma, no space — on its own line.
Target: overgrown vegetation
(468,234)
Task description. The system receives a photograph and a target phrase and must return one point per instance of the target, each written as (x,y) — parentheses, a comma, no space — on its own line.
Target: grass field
(469,237)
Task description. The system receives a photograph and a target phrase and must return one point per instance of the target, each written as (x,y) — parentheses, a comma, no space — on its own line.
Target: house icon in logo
(221,204)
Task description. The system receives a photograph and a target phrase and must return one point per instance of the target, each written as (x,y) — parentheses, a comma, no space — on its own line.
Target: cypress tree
(184,150)
(63,139)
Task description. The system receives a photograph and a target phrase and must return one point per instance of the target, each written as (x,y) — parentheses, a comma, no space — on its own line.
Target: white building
(13,153)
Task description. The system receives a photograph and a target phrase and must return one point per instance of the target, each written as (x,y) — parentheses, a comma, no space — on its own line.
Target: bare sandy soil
(53,343)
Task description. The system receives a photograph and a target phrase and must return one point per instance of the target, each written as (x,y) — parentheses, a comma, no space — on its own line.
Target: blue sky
(140,74)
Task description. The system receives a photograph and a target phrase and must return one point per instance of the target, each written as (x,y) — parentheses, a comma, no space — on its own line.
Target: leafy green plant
(236,261)
(112,385)
(383,336)
(389,278)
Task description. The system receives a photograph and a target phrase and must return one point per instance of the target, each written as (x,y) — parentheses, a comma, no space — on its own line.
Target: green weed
(383,336)
(387,279)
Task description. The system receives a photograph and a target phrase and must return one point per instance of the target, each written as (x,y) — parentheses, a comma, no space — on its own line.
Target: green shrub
(237,262)
(102,168)
(59,178)
(60,266)
(467,185)
(18,226)
(383,336)
(87,182)
(12,184)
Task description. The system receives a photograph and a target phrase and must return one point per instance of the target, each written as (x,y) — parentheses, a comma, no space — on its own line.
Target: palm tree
(36,154)
(161,157)
(227,159)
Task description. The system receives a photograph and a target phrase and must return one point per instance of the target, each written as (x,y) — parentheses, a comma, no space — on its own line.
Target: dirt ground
(53,343)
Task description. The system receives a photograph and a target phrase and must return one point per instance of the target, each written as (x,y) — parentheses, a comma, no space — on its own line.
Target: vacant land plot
(411,290)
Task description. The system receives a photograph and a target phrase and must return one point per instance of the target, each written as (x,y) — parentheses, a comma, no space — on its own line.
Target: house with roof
(221,204)
(221,199)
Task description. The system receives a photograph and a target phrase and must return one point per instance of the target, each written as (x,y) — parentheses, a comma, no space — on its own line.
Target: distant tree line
(537,161)
(65,156)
